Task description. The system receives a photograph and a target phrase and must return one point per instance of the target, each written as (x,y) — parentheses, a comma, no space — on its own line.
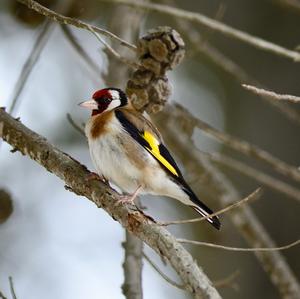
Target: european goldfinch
(127,149)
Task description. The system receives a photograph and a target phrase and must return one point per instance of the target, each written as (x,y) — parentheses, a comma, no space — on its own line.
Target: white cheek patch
(113,104)
(115,95)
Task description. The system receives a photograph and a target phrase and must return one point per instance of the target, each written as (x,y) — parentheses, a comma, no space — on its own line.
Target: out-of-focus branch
(239,249)
(81,51)
(32,59)
(74,22)
(228,281)
(12,288)
(291,4)
(271,94)
(255,174)
(227,65)
(163,275)
(221,188)
(75,125)
(132,286)
(214,25)
(74,176)
(242,146)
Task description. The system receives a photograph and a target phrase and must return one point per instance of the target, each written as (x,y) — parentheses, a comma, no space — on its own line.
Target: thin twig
(32,59)
(80,50)
(239,249)
(74,22)
(2,296)
(163,275)
(253,196)
(244,147)
(112,51)
(271,94)
(228,281)
(12,289)
(74,124)
(214,25)
(255,174)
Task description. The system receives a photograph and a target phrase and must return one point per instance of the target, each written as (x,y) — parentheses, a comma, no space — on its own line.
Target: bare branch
(228,281)
(12,289)
(75,125)
(32,59)
(227,65)
(254,195)
(132,287)
(2,296)
(112,51)
(239,249)
(243,147)
(271,94)
(73,174)
(80,50)
(74,22)
(163,275)
(293,5)
(216,26)
(255,174)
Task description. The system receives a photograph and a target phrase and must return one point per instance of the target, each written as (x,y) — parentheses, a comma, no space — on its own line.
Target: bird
(128,151)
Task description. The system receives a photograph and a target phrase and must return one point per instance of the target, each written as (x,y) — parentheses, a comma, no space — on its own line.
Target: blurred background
(57,245)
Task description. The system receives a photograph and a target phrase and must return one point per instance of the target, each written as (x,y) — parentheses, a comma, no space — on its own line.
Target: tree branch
(74,176)
(227,65)
(254,195)
(132,287)
(271,94)
(32,59)
(74,22)
(242,146)
(214,25)
(221,188)
(239,249)
(255,174)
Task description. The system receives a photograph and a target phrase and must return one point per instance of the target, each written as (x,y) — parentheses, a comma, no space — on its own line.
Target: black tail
(201,208)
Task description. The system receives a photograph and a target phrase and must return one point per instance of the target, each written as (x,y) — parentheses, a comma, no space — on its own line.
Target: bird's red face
(105,99)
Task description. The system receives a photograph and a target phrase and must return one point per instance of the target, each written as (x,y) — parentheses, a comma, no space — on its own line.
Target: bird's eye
(106,100)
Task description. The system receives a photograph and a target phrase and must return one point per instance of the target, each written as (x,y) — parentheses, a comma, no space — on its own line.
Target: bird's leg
(130,198)
(94,176)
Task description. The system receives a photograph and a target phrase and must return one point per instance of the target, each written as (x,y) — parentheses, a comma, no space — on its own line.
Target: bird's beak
(90,104)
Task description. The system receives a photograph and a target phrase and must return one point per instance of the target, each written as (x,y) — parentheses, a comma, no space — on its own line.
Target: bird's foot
(92,176)
(129,199)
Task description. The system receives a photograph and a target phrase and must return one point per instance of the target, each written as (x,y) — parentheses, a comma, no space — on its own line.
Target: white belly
(111,160)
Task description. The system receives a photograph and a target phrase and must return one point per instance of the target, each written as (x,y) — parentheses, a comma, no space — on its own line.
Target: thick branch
(74,176)
(132,287)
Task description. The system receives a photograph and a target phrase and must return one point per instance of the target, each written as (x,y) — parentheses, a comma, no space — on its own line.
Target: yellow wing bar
(154,150)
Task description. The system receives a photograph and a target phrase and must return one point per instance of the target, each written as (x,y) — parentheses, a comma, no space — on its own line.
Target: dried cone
(159,50)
